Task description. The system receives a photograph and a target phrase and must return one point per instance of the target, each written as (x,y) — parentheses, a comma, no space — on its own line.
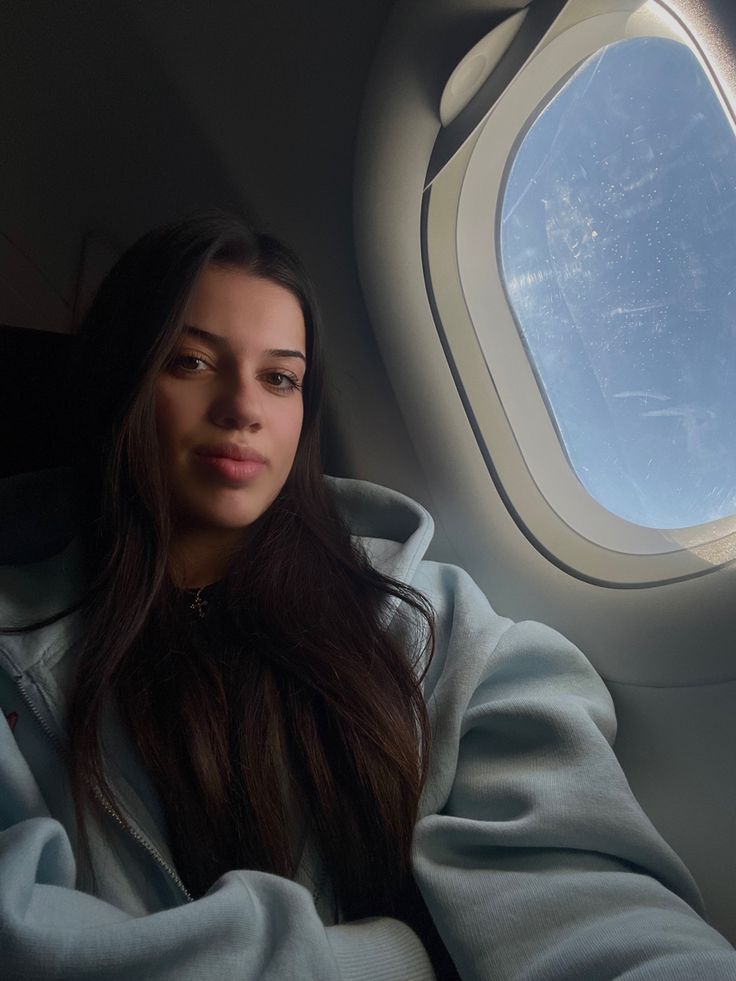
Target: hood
(40,557)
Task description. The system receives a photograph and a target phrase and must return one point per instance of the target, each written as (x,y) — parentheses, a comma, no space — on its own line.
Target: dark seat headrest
(38,515)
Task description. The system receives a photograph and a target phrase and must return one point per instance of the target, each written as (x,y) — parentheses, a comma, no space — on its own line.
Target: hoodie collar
(394,529)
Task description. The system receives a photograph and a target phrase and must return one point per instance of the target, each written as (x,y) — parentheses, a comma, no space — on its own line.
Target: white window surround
(510,418)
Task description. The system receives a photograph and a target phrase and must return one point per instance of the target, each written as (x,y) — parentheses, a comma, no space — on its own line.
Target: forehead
(241,307)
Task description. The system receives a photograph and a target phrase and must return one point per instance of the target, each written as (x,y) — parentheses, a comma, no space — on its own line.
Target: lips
(231,451)
(236,463)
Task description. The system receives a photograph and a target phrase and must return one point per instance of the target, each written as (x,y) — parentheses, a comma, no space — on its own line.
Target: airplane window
(618,258)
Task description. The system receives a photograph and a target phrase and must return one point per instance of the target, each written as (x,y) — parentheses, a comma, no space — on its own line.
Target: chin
(193,511)
(232,518)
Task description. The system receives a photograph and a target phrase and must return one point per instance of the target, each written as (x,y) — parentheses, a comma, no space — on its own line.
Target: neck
(198,557)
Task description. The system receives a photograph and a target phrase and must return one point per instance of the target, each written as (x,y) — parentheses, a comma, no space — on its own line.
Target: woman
(291,747)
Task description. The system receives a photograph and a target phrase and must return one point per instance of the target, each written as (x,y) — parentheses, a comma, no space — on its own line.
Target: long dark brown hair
(311,702)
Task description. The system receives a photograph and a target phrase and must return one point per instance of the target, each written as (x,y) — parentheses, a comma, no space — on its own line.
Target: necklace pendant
(199,605)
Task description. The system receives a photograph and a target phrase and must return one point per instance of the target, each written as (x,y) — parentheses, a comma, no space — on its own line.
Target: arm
(250,925)
(534,858)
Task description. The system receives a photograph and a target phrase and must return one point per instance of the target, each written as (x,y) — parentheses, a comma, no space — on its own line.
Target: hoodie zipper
(107,806)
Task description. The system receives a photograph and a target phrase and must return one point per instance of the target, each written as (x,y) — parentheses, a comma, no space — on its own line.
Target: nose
(239,405)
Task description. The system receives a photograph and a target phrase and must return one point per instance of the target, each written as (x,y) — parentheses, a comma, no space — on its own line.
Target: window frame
(510,419)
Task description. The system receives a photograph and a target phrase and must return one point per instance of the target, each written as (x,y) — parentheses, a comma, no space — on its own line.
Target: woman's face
(231,381)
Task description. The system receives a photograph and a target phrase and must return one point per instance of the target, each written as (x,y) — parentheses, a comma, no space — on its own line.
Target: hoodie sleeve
(250,926)
(532,854)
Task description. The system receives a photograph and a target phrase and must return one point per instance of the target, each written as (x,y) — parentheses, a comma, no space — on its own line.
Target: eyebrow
(219,341)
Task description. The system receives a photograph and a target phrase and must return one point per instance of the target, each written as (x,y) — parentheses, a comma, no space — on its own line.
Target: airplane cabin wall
(664,651)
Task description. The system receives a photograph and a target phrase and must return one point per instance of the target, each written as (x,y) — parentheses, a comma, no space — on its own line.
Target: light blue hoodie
(534,859)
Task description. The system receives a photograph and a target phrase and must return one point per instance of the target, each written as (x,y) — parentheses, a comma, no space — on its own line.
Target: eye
(178,362)
(292,385)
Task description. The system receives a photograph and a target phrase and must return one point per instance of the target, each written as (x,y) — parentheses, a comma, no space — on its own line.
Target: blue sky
(618,255)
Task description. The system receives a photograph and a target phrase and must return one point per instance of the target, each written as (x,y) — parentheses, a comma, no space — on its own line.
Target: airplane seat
(35,400)
(36,520)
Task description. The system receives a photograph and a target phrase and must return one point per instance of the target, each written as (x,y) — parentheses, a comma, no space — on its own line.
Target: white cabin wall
(664,651)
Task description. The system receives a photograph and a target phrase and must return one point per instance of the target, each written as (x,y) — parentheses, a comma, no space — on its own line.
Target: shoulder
(463,612)
(498,689)
(481,656)
(40,558)
(40,546)
(35,590)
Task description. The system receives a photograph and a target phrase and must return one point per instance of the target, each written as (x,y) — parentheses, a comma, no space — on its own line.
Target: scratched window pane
(618,255)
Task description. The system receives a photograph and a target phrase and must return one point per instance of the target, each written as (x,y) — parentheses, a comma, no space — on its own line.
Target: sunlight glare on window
(617,249)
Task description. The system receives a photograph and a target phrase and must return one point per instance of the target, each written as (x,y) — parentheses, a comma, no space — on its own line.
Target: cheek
(172,412)
(286,436)
(296,426)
